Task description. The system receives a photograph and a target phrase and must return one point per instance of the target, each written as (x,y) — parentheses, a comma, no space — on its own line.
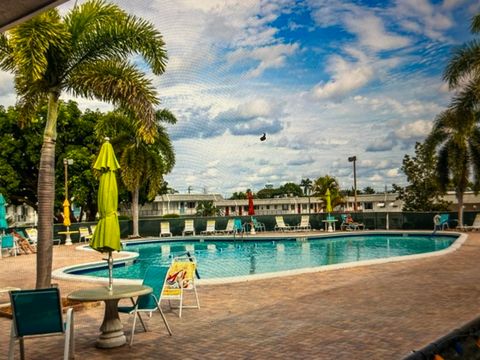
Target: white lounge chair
(210,230)
(165,229)
(189,227)
(475,225)
(280,224)
(304,223)
(229,228)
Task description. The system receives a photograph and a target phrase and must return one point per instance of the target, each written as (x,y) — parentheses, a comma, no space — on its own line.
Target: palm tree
(306,184)
(323,183)
(207,208)
(86,53)
(456,137)
(141,163)
(463,71)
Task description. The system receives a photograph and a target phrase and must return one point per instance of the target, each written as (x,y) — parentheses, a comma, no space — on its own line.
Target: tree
(456,137)
(306,184)
(238,196)
(141,164)
(206,208)
(368,190)
(463,72)
(291,188)
(86,53)
(423,192)
(323,183)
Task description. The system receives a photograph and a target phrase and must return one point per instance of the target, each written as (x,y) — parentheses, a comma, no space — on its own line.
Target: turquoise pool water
(219,259)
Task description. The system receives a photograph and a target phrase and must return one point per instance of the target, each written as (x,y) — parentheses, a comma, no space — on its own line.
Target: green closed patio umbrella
(329,201)
(3,214)
(106,237)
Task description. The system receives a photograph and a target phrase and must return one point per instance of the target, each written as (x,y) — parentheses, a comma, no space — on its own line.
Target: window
(368,205)
(292,207)
(191,205)
(285,207)
(304,206)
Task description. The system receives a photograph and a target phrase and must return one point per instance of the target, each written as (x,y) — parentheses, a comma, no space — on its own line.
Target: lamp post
(68,239)
(354,159)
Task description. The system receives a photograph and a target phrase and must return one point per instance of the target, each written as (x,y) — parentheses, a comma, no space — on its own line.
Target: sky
(324,79)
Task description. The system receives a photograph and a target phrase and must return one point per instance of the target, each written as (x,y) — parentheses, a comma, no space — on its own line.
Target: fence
(372,221)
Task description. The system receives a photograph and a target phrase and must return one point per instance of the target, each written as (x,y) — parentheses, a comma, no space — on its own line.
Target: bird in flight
(263,137)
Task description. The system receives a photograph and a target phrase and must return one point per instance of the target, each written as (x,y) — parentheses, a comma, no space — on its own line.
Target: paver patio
(375,312)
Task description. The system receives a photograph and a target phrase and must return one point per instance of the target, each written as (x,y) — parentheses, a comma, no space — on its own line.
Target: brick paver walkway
(376,312)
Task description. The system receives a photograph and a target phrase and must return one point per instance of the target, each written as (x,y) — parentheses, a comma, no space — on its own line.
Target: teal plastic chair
(8,243)
(237,226)
(39,312)
(257,225)
(441,222)
(155,277)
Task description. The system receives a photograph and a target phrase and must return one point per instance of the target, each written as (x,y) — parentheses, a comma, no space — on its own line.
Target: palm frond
(469,97)
(7,62)
(464,62)
(123,85)
(166,116)
(475,28)
(102,31)
(31,40)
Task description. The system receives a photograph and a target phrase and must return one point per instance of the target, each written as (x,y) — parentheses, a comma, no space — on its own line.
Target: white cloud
(392,173)
(415,130)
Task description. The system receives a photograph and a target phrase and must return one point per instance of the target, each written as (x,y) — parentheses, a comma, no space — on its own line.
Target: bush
(170,216)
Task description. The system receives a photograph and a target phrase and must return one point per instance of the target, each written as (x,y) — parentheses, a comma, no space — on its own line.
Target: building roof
(188,197)
(13,12)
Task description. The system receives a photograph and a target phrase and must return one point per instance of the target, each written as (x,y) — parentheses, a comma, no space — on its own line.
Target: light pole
(66,203)
(354,160)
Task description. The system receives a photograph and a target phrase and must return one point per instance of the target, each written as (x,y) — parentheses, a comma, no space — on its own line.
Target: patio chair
(304,223)
(280,224)
(440,222)
(189,227)
(257,225)
(155,277)
(238,226)
(210,229)
(84,234)
(8,243)
(36,313)
(165,229)
(229,228)
(181,278)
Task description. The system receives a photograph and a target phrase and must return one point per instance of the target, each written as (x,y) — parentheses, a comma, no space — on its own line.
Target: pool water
(219,259)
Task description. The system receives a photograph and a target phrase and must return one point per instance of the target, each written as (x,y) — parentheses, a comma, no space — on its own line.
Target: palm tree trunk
(46,195)
(135,196)
(460,208)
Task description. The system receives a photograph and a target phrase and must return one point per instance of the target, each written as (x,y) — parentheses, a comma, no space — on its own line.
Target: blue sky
(324,79)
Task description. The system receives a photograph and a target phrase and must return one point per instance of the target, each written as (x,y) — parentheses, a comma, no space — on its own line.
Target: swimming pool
(225,259)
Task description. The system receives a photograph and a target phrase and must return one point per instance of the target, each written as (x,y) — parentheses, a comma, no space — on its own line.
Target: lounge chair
(165,229)
(8,243)
(350,226)
(36,313)
(229,228)
(84,234)
(23,244)
(210,229)
(189,227)
(280,224)
(181,278)
(155,277)
(304,223)
(475,225)
(32,235)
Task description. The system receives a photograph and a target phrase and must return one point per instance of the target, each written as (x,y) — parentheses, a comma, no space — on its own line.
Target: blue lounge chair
(155,277)
(39,312)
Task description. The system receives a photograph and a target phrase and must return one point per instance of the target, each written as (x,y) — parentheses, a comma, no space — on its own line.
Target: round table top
(102,293)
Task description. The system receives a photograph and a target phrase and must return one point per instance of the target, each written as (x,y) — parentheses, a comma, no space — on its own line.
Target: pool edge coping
(61,273)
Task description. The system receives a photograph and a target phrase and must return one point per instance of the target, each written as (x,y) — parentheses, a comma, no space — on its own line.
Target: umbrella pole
(110,270)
